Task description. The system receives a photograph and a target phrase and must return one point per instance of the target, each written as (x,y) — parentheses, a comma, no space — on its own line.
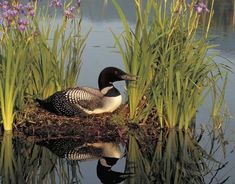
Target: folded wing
(84,97)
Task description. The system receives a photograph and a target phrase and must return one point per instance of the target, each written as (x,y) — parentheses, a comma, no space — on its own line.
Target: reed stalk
(14,67)
(136,163)
(56,62)
(168,51)
(137,53)
(38,59)
(174,157)
(7,160)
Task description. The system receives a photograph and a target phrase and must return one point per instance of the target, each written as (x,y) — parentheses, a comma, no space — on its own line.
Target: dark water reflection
(168,157)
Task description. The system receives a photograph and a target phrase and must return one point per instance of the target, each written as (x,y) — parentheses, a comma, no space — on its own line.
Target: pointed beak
(129,77)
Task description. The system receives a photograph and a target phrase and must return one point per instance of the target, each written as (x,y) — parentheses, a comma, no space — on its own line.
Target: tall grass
(38,60)
(137,53)
(56,62)
(13,70)
(168,51)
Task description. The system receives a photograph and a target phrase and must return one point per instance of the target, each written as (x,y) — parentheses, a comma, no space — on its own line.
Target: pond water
(164,158)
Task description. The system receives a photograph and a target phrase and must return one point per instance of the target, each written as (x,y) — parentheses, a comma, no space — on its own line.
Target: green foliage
(137,163)
(169,53)
(173,157)
(37,61)
(26,162)
(7,159)
(56,58)
(137,54)
(13,78)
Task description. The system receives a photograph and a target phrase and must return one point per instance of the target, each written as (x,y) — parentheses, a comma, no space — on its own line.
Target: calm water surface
(211,162)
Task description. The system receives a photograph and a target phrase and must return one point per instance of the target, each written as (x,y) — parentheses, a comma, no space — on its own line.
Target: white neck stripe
(106,89)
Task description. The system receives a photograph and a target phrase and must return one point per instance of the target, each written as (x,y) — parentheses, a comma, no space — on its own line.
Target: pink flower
(78,2)
(68,13)
(200,7)
(55,3)
(22,25)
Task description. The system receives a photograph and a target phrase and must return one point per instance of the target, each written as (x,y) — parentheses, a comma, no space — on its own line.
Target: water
(34,162)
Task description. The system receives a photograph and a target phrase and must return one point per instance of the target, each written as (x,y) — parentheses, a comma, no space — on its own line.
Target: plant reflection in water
(166,157)
(173,157)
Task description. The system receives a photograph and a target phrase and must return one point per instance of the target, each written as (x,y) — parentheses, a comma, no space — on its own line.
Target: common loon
(107,153)
(80,100)
(106,174)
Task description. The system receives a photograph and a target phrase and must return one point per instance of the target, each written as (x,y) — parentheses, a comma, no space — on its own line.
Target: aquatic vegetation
(137,54)
(172,157)
(168,50)
(38,55)
(137,163)
(16,15)
(7,160)
(25,162)
(56,61)
(13,78)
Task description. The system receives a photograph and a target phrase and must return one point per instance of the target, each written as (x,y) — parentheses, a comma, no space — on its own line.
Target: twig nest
(38,122)
(35,121)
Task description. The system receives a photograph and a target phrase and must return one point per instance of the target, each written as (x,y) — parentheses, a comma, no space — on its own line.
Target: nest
(36,121)
(41,124)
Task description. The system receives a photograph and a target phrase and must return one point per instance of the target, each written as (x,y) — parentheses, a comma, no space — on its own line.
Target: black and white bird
(80,100)
(107,153)
(106,174)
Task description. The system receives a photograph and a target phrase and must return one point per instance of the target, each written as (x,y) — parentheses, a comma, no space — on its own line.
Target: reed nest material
(35,121)
(38,122)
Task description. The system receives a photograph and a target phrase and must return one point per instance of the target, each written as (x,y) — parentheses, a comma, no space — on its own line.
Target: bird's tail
(45,104)
(41,102)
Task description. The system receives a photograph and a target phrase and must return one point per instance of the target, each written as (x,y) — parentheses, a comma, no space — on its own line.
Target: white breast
(110,104)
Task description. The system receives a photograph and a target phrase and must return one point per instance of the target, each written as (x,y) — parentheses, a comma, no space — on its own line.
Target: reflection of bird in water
(111,153)
(107,152)
(108,176)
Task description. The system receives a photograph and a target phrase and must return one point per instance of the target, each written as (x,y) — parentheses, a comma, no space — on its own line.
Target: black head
(112,74)
(108,176)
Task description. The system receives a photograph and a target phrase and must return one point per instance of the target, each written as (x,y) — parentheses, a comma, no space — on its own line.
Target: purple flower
(55,3)
(31,13)
(4,5)
(22,25)
(68,13)
(13,14)
(30,9)
(29,6)
(10,15)
(200,7)
(78,2)
(1,22)
(19,7)
(22,21)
